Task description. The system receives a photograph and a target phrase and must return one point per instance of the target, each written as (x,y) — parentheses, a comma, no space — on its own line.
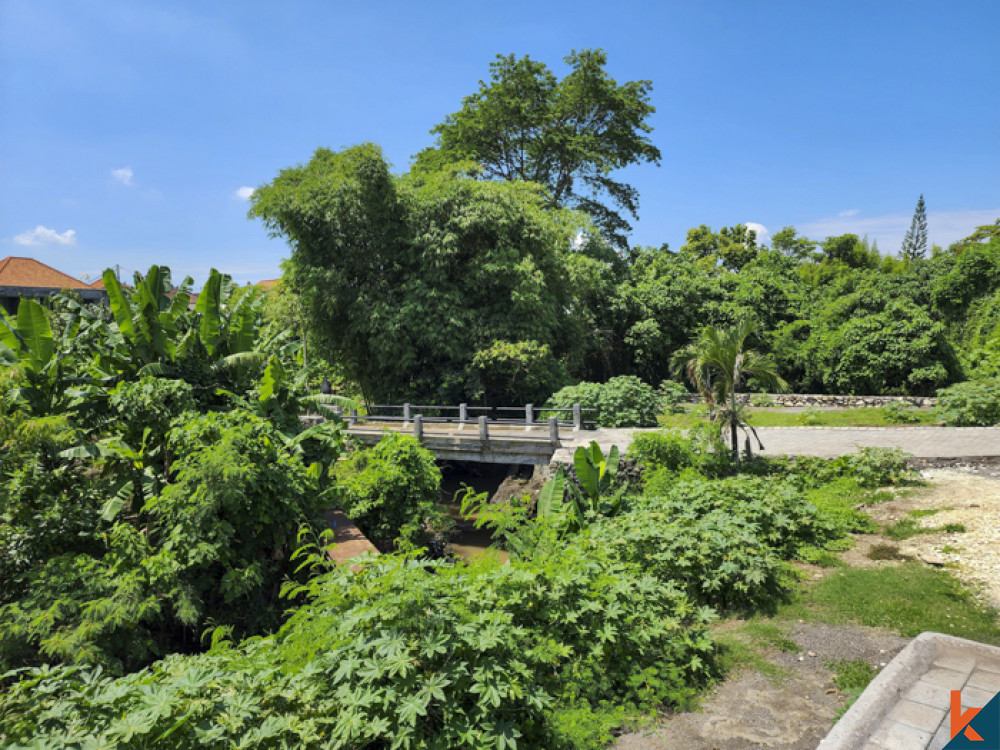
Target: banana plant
(155,331)
(595,471)
(26,342)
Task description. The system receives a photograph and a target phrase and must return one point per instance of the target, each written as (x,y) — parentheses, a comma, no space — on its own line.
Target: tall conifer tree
(915,241)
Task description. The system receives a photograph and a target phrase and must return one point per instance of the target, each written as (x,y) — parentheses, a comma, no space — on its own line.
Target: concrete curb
(856,727)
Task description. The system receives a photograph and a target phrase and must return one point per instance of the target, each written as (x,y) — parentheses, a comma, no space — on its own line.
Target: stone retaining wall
(819,399)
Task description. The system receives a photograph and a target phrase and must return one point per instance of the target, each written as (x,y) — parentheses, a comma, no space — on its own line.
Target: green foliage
(970,403)
(896,412)
(209,546)
(672,395)
(915,241)
(451,265)
(624,401)
(718,363)
(390,487)
(662,450)
(568,135)
(522,372)
(424,655)
(878,467)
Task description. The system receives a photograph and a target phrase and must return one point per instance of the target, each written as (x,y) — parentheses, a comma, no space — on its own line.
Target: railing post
(406,414)
(554,430)
(484,430)
(353,418)
(577,417)
(463,415)
(529,416)
(418,427)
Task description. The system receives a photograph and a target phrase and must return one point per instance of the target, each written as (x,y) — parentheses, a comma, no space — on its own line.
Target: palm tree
(717,363)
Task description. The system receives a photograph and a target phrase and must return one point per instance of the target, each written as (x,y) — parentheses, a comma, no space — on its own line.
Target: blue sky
(127,128)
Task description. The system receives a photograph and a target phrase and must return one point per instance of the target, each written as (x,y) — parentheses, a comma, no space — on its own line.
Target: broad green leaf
(120,306)
(33,327)
(111,508)
(208,305)
(274,378)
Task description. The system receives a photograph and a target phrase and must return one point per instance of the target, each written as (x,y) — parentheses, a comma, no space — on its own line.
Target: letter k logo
(960,721)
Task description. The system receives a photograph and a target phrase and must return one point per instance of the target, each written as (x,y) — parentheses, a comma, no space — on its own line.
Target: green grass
(691,416)
(745,648)
(908,527)
(858,417)
(909,598)
(839,498)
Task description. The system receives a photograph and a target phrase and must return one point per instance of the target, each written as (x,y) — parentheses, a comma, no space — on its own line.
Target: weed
(924,513)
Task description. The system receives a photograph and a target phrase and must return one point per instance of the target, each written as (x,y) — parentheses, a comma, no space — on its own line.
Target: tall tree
(915,241)
(416,284)
(569,134)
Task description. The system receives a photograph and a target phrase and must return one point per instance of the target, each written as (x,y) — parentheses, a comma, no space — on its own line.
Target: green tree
(915,241)
(717,363)
(569,134)
(404,279)
(788,242)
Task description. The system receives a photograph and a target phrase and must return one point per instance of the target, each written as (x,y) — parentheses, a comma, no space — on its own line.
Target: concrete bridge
(498,434)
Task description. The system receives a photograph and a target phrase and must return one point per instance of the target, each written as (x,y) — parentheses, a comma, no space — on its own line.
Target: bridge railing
(415,416)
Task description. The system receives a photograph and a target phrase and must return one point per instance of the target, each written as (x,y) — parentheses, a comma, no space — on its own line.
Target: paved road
(829,442)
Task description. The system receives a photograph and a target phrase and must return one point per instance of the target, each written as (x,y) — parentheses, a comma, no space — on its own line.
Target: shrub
(718,558)
(517,373)
(212,547)
(672,394)
(975,402)
(662,450)
(389,487)
(899,413)
(761,400)
(624,401)
(878,467)
(406,654)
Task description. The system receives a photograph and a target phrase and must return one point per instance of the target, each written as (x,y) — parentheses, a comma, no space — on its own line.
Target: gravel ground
(970,498)
(750,711)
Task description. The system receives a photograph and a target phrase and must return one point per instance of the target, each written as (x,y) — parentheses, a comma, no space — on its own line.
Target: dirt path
(795,712)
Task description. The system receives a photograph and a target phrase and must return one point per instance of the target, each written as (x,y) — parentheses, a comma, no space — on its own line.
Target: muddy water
(455,476)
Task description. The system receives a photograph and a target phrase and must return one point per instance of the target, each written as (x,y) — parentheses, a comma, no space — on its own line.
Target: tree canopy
(568,135)
(411,281)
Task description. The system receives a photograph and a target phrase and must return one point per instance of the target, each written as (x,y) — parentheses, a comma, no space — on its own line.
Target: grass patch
(745,647)
(925,513)
(851,676)
(838,499)
(886,552)
(690,416)
(908,527)
(858,417)
(908,598)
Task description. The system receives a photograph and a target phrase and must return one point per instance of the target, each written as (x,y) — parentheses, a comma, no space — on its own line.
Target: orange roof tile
(268,284)
(29,272)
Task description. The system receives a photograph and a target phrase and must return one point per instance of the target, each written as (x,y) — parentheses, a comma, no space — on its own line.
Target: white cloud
(760,229)
(43,236)
(124,175)
(244,193)
(943,227)
(848,213)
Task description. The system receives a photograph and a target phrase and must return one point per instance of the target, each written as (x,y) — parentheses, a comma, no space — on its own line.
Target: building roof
(268,284)
(28,272)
